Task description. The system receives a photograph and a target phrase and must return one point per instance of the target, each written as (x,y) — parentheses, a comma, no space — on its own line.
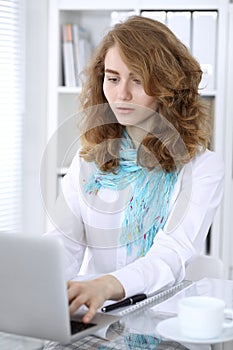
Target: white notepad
(153,299)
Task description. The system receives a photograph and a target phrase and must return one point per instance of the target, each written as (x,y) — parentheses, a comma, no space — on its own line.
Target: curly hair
(170,74)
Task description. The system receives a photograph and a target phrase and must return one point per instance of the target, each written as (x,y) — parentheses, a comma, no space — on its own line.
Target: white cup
(203,317)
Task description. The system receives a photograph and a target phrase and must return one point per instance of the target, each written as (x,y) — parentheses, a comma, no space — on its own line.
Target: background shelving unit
(63,101)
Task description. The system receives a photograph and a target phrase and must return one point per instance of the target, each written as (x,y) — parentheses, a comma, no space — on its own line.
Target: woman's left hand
(93,294)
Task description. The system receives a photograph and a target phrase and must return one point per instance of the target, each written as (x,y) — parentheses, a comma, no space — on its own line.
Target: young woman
(143,189)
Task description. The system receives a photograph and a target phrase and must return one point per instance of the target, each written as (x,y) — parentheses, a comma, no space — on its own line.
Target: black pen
(126,302)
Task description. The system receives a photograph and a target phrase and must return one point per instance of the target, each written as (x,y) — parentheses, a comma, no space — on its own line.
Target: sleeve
(68,223)
(185,231)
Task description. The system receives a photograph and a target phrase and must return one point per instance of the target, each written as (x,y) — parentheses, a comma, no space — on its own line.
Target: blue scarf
(147,209)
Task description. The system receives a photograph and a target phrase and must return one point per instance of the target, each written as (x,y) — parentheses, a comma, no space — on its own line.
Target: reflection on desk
(137,330)
(127,335)
(16,342)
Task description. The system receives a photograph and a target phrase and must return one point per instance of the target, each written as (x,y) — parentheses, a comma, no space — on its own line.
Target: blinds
(11,113)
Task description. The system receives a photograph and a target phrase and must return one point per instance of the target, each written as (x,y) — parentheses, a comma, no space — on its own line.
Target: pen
(128,301)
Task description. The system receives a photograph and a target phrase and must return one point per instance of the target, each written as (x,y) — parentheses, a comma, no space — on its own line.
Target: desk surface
(15,342)
(135,331)
(125,341)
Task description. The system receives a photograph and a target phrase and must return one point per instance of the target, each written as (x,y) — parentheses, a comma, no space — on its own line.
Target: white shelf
(77,90)
(139,4)
(69,90)
(98,5)
(208,93)
(62,171)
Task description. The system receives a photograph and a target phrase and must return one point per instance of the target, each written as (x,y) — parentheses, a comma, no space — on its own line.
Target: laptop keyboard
(78,326)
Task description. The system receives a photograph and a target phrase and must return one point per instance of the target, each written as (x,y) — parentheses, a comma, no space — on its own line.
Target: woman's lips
(124,110)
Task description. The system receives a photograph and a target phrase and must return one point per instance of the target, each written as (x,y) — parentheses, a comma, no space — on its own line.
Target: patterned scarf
(147,209)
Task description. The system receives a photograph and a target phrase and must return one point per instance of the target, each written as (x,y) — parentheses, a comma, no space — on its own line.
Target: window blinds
(11,113)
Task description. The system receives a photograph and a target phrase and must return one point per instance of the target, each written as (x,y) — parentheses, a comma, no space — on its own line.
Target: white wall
(36,33)
(228,205)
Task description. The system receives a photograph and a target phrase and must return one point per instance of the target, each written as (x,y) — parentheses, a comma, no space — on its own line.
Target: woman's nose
(124,92)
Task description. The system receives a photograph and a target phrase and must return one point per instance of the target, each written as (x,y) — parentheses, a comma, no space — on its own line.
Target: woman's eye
(137,81)
(113,79)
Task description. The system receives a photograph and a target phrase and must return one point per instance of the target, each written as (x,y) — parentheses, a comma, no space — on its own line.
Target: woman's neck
(139,131)
(136,134)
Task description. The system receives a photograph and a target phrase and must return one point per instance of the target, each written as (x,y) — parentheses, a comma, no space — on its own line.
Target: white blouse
(90,224)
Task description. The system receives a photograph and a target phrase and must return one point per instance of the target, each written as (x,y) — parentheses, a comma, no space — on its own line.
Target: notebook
(153,299)
(33,294)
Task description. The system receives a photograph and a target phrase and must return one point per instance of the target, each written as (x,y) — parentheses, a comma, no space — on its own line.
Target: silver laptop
(33,294)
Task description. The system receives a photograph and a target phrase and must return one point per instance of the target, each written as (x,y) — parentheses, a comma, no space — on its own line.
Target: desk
(138,333)
(122,342)
(137,330)
(16,342)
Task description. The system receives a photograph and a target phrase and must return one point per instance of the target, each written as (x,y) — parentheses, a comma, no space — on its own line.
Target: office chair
(204,266)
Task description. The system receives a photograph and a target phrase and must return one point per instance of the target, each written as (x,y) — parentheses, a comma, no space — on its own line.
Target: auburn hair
(170,74)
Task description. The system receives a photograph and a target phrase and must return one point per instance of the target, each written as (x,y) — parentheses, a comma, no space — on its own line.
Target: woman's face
(125,93)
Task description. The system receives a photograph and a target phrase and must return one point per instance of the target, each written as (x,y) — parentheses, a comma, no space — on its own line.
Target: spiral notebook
(153,299)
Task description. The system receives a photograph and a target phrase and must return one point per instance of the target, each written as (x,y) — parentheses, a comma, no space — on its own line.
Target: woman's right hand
(93,294)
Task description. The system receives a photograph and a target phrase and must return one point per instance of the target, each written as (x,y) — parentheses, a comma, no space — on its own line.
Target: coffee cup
(203,317)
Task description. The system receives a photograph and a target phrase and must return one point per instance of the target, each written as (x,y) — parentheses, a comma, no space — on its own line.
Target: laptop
(33,294)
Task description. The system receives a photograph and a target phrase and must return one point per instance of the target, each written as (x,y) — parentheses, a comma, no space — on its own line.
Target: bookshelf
(63,101)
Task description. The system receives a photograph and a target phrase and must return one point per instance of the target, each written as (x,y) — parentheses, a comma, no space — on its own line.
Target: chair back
(204,266)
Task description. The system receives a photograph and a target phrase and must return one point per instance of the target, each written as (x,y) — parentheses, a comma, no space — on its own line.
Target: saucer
(169,329)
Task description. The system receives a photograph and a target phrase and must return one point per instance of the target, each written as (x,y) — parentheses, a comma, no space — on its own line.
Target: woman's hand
(93,294)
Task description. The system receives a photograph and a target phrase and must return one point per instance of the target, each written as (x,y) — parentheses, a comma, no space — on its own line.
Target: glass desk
(137,330)
(134,332)
(15,342)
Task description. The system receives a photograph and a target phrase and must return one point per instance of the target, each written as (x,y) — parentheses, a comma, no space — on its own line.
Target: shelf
(77,90)
(62,171)
(137,4)
(208,93)
(69,90)
(101,5)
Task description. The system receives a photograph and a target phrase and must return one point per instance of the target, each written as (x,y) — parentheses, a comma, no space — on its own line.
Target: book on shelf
(82,50)
(160,16)
(76,50)
(119,16)
(180,23)
(205,27)
(68,56)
